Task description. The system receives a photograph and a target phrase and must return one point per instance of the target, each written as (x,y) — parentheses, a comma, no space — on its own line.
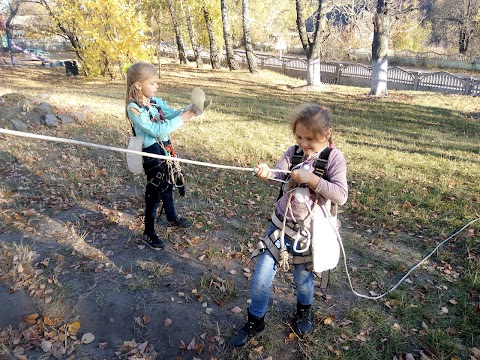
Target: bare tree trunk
(227,37)
(191,34)
(379,62)
(464,39)
(178,35)
(214,59)
(311,46)
(72,38)
(13,7)
(251,63)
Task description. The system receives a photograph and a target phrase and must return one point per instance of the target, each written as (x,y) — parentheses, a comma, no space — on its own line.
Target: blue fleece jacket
(153,130)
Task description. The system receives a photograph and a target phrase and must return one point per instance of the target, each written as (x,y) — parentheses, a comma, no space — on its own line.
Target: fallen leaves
(87,338)
(48,334)
(236,310)
(132,350)
(198,345)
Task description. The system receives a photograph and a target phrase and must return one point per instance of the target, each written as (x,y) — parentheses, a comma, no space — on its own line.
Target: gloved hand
(199,104)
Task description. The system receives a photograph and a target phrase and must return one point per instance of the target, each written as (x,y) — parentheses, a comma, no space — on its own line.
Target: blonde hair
(314,117)
(138,72)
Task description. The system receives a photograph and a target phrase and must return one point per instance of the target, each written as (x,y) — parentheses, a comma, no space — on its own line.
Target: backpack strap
(321,163)
(131,122)
(297,157)
(320,170)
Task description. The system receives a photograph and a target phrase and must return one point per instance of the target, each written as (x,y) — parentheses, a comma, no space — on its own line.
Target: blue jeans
(265,273)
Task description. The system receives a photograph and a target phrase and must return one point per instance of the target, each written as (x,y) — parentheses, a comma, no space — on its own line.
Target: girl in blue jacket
(154,120)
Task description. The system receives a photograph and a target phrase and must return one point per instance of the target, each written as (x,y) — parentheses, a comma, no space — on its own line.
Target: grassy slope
(413,168)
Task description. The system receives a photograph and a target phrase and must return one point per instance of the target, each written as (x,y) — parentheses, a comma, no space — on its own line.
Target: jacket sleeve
(168,112)
(336,187)
(155,129)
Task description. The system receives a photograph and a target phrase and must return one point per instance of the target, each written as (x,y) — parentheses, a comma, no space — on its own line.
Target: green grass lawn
(413,170)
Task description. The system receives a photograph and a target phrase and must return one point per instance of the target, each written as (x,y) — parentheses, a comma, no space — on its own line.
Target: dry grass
(413,161)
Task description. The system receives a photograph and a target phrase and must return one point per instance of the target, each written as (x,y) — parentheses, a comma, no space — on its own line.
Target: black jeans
(153,194)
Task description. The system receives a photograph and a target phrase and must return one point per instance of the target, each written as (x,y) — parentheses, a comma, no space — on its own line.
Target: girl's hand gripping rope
(263,172)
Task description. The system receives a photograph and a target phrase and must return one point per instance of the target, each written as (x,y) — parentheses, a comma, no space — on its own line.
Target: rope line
(128,151)
(406,275)
(228,167)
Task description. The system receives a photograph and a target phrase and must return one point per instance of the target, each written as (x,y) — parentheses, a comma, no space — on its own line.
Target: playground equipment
(71,66)
(4,43)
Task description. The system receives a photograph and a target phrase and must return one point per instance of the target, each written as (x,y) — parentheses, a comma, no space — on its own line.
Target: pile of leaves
(44,333)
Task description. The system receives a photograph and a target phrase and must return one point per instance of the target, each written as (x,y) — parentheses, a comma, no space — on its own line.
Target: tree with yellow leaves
(105,35)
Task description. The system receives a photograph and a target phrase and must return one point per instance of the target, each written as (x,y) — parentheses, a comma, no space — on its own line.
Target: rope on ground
(406,275)
(128,151)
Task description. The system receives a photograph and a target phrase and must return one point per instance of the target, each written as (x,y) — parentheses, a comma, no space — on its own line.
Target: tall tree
(379,62)
(385,11)
(311,44)
(191,34)
(251,63)
(178,35)
(457,18)
(227,37)
(104,35)
(214,58)
(12,8)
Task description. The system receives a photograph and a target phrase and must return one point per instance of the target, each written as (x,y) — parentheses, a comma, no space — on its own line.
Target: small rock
(33,118)
(19,125)
(79,116)
(66,119)
(51,120)
(43,108)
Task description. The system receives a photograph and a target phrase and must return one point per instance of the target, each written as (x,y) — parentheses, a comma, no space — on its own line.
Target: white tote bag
(325,245)
(135,162)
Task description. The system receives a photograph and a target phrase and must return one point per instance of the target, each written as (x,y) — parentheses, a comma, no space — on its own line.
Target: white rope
(405,276)
(111,148)
(228,167)
(283,256)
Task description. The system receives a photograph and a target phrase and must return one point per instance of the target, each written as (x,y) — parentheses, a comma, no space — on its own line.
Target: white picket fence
(355,74)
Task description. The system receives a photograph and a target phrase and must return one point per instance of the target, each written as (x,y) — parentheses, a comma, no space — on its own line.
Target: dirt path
(78,283)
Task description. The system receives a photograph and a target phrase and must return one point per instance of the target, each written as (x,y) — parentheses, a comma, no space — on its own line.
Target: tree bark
(379,62)
(191,34)
(13,7)
(251,63)
(227,37)
(464,39)
(72,38)
(178,35)
(214,59)
(311,45)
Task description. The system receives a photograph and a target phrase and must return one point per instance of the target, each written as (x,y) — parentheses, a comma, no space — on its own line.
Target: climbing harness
(168,171)
(303,247)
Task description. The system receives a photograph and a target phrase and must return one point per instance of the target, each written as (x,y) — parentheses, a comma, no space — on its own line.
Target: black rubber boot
(253,327)
(304,323)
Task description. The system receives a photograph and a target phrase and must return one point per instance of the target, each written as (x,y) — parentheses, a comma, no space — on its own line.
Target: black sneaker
(153,242)
(180,222)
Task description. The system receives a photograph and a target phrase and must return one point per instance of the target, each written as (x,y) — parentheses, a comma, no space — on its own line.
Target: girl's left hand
(301,176)
(262,171)
(187,115)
